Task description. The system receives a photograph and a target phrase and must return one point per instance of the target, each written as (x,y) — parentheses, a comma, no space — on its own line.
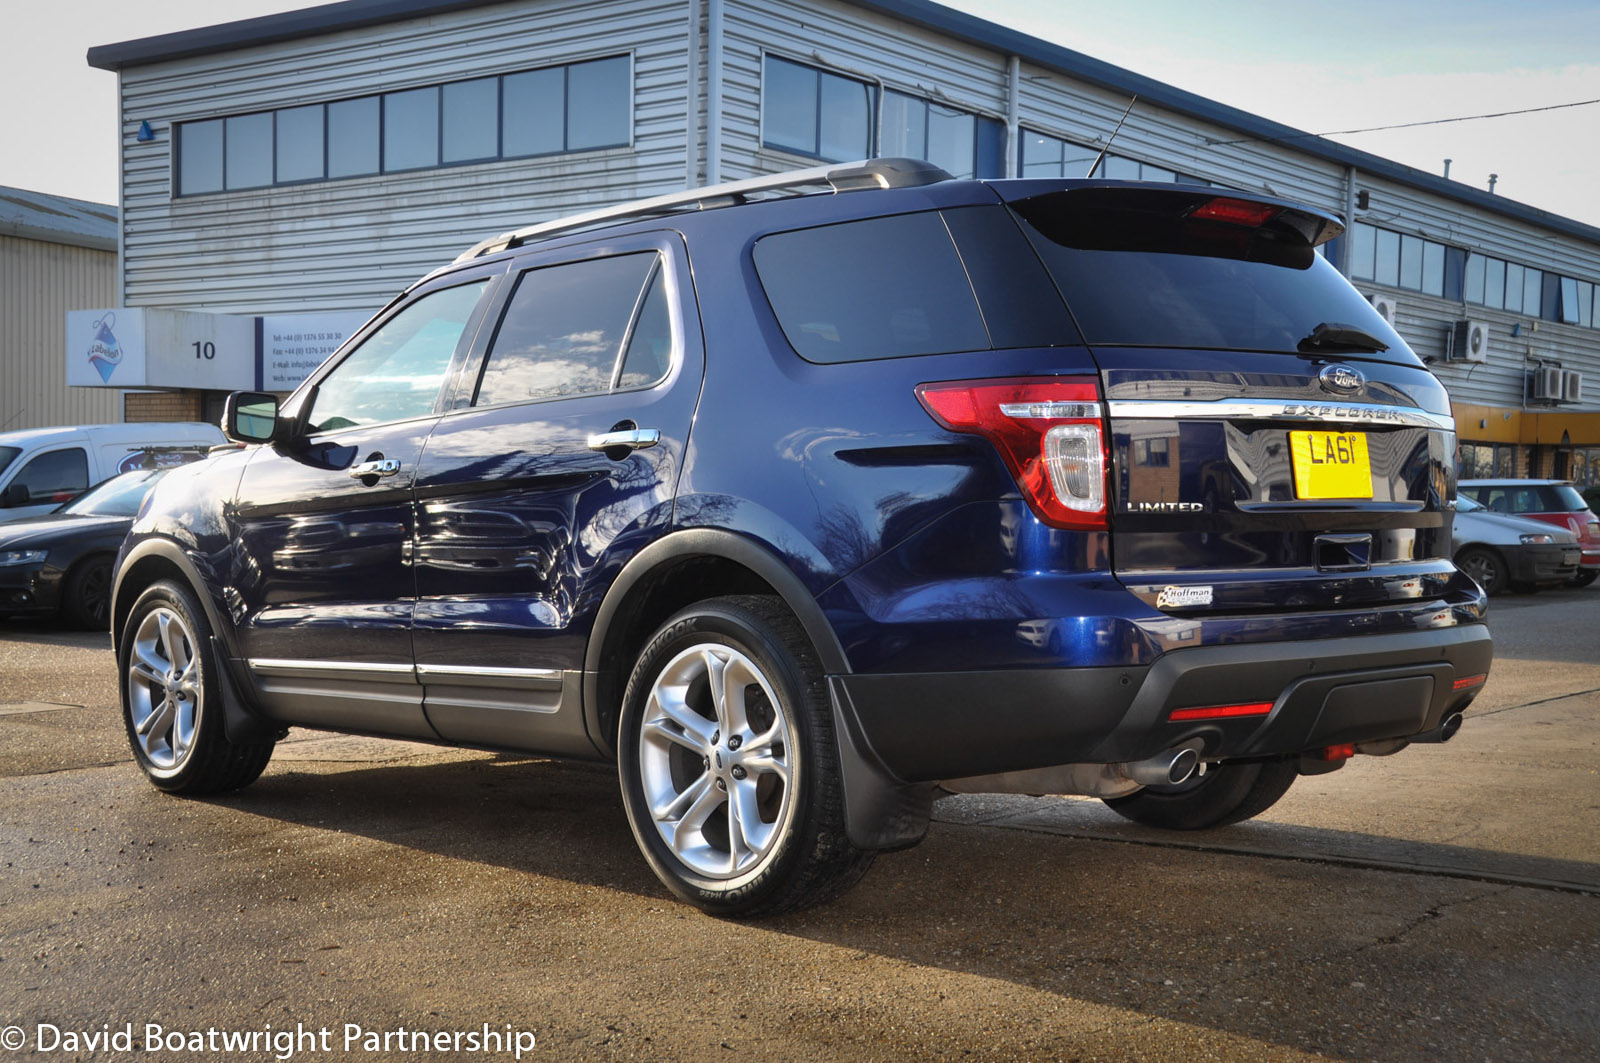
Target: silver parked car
(1501,551)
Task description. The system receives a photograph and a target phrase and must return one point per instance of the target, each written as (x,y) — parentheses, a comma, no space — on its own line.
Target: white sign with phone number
(293,345)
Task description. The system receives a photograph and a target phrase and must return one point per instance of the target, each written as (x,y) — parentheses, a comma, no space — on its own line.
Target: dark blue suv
(803,497)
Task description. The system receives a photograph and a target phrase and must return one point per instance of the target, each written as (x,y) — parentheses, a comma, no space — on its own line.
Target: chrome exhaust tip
(1172,768)
(1444,732)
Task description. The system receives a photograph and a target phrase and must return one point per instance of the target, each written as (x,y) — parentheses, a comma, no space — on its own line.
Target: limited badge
(1183,597)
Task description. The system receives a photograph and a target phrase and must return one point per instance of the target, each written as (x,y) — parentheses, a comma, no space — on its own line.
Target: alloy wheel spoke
(668,701)
(158,722)
(675,810)
(746,831)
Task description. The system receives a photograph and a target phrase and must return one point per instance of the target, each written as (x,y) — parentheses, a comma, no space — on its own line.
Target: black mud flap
(882,812)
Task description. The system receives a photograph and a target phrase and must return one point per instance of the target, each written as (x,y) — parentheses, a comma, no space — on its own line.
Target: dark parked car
(1552,501)
(799,497)
(1503,552)
(59,565)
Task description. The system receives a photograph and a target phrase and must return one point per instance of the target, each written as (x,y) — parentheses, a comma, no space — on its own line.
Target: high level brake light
(1049,431)
(1236,212)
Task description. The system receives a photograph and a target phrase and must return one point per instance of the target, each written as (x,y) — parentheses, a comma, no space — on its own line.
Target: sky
(1321,67)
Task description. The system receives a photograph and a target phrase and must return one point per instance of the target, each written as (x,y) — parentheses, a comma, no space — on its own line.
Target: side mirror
(251,417)
(14,495)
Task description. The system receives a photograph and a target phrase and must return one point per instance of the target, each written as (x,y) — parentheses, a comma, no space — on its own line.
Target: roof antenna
(1096,164)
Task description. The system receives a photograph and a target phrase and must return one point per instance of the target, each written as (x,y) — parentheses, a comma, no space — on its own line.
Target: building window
(813,112)
(1047,156)
(1484,461)
(1401,260)
(809,111)
(577,107)
(962,144)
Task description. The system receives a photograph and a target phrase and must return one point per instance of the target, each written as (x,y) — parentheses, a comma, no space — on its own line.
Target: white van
(40,468)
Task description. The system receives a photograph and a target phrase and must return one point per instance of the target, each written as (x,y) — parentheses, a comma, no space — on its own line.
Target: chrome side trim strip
(1256,410)
(275,666)
(469,675)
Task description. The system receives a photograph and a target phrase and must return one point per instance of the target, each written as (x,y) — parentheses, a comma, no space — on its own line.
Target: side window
(55,476)
(397,371)
(880,288)
(580,328)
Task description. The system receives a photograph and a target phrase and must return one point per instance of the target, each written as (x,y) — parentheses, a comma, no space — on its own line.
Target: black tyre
(1485,566)
(171,706)
(729,771)
(1583,578)
(86,602)
(1221,794)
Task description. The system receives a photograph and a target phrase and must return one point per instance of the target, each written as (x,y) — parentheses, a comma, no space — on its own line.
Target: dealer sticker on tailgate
(1331,465)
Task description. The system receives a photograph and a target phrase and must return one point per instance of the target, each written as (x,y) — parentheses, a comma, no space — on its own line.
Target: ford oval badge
(1342,378)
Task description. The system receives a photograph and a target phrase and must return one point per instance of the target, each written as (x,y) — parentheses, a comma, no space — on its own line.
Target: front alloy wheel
(164,696)
(171,698)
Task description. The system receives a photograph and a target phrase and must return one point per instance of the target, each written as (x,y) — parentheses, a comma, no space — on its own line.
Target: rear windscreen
(1137,270)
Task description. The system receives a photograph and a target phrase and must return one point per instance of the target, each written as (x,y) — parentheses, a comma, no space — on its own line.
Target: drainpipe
(714,33)
(691,133)
(1013,113)
(1349,219)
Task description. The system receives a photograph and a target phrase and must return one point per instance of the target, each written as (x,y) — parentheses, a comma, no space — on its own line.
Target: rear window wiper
(1331,335)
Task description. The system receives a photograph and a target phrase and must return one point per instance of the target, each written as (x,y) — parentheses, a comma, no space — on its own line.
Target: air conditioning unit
(1469,342)
(1571,386)
(1544,384)
(1386,307)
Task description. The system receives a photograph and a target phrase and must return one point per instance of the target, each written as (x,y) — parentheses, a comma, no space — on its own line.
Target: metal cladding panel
(850,40)
(1424,320)
(350,244)
(39,283)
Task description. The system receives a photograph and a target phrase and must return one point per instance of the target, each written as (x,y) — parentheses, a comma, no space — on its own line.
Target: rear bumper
(945,725)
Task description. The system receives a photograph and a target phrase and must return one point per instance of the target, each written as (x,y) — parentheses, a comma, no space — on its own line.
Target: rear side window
(580,328)
(55,476)
(1137,270)
(880,288)
(1567,499)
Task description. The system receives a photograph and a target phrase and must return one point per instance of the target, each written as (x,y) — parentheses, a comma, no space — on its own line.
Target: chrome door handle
(382,467)
(631,439)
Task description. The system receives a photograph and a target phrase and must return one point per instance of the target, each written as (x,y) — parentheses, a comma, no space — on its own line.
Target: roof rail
(838,177)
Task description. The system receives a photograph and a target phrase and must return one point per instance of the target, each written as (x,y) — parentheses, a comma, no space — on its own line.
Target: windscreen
(119,496)
(7,456)
(1144,268)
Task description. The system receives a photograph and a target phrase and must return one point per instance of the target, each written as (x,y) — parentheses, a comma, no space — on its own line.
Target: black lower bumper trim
(931,726)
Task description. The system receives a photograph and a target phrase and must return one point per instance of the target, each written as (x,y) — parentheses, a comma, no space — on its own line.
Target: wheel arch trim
(684,545)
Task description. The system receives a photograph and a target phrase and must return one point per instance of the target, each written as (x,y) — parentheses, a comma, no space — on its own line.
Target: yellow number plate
(1331,465)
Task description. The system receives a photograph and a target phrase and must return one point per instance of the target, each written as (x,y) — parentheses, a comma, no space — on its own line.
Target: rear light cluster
(1050,432)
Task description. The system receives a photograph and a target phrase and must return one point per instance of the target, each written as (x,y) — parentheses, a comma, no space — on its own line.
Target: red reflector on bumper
(1341,752)
(1221,712)
(1468,682)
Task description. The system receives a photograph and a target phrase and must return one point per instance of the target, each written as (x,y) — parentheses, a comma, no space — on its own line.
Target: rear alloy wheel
(1219,795)
(728,766)
(87,602)
(1485,567)
(171,705)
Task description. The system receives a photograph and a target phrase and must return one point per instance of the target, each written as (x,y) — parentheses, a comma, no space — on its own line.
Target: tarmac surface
(1443,903)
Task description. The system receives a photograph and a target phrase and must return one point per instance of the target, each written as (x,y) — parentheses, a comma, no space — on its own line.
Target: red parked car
(1552,501)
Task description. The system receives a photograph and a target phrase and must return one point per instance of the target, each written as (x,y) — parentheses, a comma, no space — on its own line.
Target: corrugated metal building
(56,255)
(318,161)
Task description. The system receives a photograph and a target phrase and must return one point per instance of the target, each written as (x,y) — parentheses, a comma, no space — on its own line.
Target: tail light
(1049,431)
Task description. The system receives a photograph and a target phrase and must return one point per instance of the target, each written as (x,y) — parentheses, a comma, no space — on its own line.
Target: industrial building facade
(298,170)
(56,255)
